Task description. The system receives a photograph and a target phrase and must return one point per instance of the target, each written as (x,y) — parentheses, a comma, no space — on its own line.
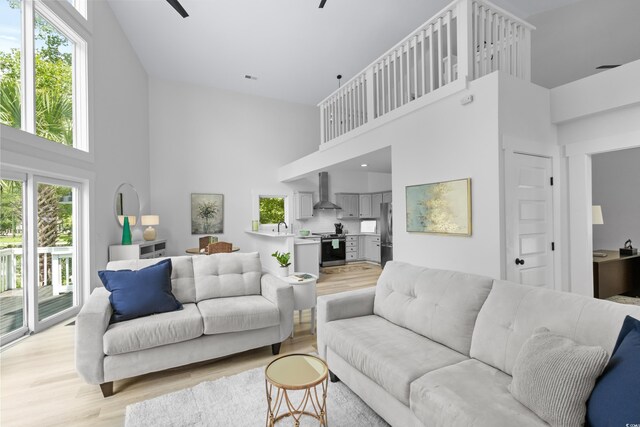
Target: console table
(138,250)
(615,275)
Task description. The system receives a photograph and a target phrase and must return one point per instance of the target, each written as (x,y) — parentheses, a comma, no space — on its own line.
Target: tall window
(44,87)
(10,63)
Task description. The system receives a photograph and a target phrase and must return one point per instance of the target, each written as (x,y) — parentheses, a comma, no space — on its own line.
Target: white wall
(206,140)
(120,127)
(616,187)
(571,41)
(447,141)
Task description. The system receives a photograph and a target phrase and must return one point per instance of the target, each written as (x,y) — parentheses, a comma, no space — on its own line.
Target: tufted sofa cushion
(182,283)
(227,275)
(512,312)
(440,305)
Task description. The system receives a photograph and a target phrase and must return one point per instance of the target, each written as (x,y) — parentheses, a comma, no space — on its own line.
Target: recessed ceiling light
(364,165)
(250,77)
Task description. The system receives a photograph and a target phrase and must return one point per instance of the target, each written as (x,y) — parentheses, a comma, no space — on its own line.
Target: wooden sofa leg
(275,348)
(107,389)
(333,377)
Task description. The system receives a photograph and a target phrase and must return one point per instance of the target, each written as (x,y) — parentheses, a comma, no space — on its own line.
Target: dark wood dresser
(615,275)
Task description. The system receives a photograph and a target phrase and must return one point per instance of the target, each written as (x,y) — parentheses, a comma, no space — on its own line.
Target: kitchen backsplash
(323,220)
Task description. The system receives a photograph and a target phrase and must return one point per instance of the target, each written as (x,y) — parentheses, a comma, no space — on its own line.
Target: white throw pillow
(554,376)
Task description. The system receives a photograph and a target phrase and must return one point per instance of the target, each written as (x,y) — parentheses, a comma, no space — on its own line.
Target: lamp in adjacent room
(596,214)
(596,219)
(150,221)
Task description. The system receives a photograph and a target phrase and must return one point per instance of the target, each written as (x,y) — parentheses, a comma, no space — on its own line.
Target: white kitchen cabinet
(304,205)
(372,248)
(386,197)
(349,203)
(361,247)
(376,199)
(138,250)
(306,256)
(352,248)
(365,205)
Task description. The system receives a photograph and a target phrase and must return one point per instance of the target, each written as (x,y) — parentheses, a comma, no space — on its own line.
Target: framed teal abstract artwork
(440,208)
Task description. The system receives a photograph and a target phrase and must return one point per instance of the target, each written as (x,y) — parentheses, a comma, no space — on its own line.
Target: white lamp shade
(132,219)
(596,214)
(150,219)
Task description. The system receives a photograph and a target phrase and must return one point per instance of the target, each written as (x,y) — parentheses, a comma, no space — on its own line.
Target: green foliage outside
(53,81)
(271,210)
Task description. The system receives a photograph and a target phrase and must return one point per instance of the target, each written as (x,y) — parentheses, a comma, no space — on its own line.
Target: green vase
(126,232)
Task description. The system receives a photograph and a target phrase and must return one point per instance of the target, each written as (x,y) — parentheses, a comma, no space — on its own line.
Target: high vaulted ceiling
(294,48)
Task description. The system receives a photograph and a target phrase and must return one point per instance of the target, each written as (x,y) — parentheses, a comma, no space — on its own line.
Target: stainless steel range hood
(324,202)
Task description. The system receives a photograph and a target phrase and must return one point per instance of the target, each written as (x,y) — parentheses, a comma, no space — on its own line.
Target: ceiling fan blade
(322,2)
(178,7)
(607,67)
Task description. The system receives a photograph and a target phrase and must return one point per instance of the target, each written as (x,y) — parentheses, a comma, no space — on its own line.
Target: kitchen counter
(363,234)
(306,241)
(270,234)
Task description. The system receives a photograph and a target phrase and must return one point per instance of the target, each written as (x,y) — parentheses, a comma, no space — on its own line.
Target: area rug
(239,401)
(625,300)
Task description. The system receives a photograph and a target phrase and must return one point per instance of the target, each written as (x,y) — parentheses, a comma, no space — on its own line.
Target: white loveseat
(437,348)
(229,306)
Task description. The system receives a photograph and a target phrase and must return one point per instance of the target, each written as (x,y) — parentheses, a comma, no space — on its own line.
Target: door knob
(519,261)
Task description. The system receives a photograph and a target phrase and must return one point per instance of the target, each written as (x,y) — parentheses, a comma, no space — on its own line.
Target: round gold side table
(296,372)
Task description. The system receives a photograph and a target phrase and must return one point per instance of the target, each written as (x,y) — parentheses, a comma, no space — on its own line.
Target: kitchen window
(368,226)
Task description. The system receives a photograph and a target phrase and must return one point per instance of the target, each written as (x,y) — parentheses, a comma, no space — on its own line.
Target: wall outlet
(466,100)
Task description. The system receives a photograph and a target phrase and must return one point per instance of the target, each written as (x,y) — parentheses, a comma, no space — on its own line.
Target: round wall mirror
(126,202)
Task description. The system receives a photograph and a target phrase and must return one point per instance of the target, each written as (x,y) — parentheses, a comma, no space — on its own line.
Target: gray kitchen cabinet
(365,206)
(372,248)
(376,199)
(351,248)
(304,205)
(386,197)
(349,202)
(361,247)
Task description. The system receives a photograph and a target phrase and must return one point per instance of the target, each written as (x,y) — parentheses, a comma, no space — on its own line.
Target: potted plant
(283,260)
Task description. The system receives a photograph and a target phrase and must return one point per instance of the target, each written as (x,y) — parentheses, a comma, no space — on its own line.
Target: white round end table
(304,295)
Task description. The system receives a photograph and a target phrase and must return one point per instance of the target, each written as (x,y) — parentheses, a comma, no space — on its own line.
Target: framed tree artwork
(207,213)
(440,208)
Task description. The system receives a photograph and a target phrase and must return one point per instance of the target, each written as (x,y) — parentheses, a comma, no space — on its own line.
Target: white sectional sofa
(437,348)
(229,306)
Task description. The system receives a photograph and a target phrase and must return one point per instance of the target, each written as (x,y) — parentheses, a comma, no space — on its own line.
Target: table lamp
(150,220)
(596,214)
(596,218)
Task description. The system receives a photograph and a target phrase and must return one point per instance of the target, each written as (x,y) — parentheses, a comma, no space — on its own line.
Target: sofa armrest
(91,324)
(344,305)
(280,293)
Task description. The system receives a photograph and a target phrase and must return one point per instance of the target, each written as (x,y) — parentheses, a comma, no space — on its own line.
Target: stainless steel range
(333,248)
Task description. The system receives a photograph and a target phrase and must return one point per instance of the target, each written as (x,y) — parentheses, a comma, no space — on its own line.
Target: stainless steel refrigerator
(386,233)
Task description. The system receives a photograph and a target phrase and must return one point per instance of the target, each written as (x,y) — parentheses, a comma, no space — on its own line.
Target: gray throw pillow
(554,376)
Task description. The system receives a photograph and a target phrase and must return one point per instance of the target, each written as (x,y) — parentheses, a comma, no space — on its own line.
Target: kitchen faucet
(282,222)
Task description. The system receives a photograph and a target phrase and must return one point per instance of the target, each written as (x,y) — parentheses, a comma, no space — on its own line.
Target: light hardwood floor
(39,385)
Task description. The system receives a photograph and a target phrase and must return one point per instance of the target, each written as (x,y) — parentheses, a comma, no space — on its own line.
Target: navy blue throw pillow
(615,400)
(137,293)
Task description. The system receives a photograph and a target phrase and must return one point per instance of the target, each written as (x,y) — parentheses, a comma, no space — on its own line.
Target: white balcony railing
(61,268)
(466,40)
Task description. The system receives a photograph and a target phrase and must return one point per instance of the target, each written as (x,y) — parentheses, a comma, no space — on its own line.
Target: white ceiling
(293,47)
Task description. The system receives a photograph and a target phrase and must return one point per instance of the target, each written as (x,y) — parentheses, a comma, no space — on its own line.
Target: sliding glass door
(39,268)
(13,318)
(56,249)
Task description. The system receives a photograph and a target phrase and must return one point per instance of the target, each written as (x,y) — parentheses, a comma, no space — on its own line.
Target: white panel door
(529,220)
